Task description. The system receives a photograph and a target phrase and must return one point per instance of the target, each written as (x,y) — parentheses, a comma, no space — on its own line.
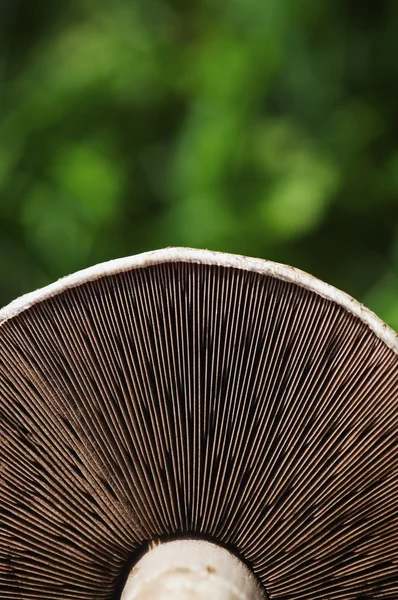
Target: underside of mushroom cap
(190,393)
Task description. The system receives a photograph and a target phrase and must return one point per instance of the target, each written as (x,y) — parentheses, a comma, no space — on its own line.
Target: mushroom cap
(198,394)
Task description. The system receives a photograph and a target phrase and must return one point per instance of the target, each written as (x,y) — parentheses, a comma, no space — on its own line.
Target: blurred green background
(260,127)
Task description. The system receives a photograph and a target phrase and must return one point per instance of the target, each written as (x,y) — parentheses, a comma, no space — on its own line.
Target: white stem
(191,570)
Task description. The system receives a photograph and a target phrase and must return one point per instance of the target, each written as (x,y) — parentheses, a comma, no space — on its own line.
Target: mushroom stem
(191,570)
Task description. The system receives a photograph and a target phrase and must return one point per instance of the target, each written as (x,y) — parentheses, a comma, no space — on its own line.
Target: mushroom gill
(190,394)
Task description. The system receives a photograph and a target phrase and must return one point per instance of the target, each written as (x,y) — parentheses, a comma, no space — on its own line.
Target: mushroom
(191,424)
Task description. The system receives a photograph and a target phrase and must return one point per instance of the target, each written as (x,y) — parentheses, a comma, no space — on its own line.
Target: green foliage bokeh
(266,128)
